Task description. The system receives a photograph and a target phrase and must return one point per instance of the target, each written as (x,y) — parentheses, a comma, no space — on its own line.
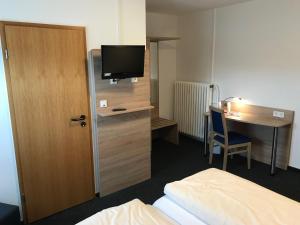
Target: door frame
(11,103)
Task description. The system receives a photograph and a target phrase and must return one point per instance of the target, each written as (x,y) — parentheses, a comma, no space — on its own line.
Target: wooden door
(47,82)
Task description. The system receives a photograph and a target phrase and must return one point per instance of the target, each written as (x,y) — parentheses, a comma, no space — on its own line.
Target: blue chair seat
(233,138)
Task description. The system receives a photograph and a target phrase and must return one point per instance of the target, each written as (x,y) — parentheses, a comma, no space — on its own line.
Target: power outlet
(278,114)
(134,80)
(113,81)
(103,103)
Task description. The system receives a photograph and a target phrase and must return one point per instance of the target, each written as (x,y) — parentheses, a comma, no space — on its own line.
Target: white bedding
(177,213)
(218,197)
(134,212)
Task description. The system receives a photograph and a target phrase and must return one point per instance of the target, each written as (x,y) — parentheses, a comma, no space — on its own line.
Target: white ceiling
(185,6)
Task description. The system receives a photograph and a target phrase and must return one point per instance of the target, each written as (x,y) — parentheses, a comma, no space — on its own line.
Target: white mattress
(218,197)
(177,213)
(134,212)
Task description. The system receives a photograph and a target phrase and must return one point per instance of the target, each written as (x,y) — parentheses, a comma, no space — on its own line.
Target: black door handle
(78,119)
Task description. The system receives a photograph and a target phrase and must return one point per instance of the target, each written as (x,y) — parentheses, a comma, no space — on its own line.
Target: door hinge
(6,54)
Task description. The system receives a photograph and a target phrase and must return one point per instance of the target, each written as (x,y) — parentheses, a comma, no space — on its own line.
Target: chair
(231,142)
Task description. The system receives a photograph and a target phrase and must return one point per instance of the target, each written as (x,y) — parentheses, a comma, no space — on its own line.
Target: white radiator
(192,100)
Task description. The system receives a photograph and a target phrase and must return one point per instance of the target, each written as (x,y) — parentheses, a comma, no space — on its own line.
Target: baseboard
(192,137)
(293,169)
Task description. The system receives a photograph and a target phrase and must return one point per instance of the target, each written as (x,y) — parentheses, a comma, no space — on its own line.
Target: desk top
(258,120)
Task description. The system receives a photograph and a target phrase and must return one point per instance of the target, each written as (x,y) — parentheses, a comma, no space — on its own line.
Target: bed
(177,213)
(218,197)
(210,197)
(134,212)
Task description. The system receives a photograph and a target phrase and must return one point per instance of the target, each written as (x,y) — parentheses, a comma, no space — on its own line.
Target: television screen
(122,61)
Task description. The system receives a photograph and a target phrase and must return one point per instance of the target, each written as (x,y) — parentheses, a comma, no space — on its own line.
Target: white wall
(257,56)
(194,54)
(98,16)
(164,25)
(132,22)
(102,21)
(9,186)
(161,25)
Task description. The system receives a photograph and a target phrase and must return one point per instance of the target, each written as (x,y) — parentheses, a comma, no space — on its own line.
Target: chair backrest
(218,120)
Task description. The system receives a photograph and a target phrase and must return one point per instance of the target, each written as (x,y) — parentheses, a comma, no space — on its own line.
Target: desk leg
(205,134)
(274,150)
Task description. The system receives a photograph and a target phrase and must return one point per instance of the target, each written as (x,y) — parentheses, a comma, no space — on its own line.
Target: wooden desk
(264,117)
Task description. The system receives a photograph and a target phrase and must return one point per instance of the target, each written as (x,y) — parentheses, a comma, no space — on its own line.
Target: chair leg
(225,158)
(211,149)
(231,156)
(249,155)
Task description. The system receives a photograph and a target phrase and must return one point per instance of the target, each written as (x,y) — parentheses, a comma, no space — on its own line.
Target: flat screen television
(122,61)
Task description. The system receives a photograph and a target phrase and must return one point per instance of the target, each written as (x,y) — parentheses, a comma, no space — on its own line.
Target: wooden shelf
(158,123)
(104,112)
(157,39)
(166,129)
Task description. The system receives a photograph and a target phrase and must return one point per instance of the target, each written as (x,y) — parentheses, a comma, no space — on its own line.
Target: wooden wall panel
(124,139)
(262,138)
(124,92)
(125,142)
(154,98)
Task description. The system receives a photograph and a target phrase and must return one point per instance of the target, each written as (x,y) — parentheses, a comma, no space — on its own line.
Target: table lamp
(227,103)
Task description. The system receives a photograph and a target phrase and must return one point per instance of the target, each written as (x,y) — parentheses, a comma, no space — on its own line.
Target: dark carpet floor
(170,163)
